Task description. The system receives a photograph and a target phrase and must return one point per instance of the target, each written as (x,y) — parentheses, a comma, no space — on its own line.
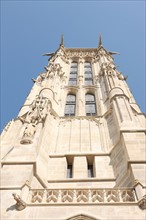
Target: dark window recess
(90,171)
(69,171)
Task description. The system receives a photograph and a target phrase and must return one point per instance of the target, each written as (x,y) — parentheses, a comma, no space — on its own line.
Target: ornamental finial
(62,40)
(100,41)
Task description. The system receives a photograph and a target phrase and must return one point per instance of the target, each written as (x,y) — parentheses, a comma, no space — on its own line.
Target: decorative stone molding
(81,196)
(81,52)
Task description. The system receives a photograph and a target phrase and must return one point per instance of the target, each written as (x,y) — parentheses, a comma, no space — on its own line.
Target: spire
(100,41)
(62,40)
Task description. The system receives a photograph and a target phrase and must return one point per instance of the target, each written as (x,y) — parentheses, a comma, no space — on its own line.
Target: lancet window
(88,73)
(70,106)
(73,73)
(90,104)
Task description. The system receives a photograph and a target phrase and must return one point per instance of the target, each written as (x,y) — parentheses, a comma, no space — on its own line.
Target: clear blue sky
(31,28)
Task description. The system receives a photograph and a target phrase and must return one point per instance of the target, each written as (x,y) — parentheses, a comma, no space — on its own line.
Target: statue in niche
(37,114)
(20,204)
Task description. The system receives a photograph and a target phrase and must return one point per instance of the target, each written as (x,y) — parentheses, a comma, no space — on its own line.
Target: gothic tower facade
(77,148)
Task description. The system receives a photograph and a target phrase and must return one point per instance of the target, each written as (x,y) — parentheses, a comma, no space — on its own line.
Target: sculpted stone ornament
(108,66)
(142,203)
(54,69)
(40,78)
(37,114)
(120,76)
(20,204)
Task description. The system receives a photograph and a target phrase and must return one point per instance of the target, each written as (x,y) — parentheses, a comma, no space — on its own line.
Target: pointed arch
(82,217)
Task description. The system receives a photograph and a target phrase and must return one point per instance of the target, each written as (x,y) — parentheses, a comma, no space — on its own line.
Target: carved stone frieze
(37,196)
(67,195)
(112,196)
(52,196)
(83,196)
(97,196)
(81,53)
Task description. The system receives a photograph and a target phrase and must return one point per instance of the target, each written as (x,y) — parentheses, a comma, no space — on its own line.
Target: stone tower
(76,150)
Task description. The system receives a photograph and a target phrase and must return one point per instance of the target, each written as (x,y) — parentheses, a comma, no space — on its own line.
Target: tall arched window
(73,74)
(90,104)
(70,106)
(88,73)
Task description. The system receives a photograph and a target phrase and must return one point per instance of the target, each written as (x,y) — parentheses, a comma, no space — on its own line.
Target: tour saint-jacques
(76,150)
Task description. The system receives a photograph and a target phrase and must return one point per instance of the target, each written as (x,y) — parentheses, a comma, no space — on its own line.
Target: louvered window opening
(90,105)
(88,74)
(70,106)
(73,74)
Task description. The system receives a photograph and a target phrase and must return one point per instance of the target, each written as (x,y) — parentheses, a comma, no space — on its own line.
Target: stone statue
(37,114)
(20,204)
(38,110)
